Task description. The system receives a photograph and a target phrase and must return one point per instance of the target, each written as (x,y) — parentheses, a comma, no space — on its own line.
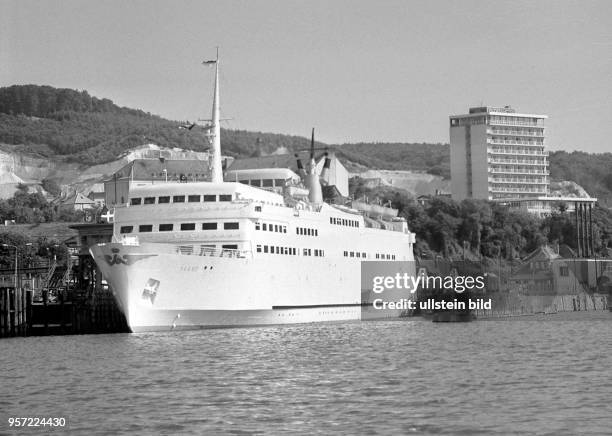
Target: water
(545,375)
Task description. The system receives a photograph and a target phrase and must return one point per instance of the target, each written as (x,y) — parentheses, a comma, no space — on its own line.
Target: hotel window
(135,201)
(346,254)
(166,227)
(225,197)
(264,226)
(316,232)
(187,226)
(278,250)
(229,247)
(230,226)
(127,229)
(178,199)
(257,226)
(208,198)
(363,255)
(293,251)
(276,228)
(259,248)
(270,228)
(352,254)
(393,257)
(265,248)
(257,208)
(164,199)
(145,228)
(284,229)
(376,255)
(149,200)
(209,226)
(193,199)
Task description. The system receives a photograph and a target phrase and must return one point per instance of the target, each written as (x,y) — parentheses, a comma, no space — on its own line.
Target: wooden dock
(64,313)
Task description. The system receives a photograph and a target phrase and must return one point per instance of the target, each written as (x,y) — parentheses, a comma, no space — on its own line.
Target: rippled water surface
(544,375)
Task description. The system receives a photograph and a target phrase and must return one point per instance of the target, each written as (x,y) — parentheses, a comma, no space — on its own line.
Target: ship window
(230,226)
(256,183)
(187,226)
(145,228)
(126,229)
(210,198)
(257,226)
(135,201)
(193,199)
(259,248)
(265,248)
(164,199)
(149,200)
(209,226)
(267,183)
(165,227)
(225,197)
(264,226)
(279,182)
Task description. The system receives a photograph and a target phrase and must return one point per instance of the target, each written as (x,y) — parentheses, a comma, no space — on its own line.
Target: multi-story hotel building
(498,154)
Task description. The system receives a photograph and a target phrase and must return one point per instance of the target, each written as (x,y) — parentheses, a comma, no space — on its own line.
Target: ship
(206,254)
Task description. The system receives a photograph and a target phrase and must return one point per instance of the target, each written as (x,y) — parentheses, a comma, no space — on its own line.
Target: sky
(357,71)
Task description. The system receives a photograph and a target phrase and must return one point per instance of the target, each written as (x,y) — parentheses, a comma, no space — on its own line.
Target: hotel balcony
(515,123)
(509,151)
(542,181)
(501,160)
(518,190)
(514,142)
(518,171)
(515,133)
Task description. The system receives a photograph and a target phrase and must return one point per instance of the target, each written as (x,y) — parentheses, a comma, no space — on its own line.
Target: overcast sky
(356,70)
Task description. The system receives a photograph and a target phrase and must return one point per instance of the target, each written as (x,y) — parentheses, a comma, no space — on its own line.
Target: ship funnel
(325,170)
(300,167)
(315,194)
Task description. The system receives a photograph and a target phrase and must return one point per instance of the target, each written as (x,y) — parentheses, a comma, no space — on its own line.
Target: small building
(97,194)
(76,201)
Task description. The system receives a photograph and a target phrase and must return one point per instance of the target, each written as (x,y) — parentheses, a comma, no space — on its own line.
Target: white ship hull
(158,289)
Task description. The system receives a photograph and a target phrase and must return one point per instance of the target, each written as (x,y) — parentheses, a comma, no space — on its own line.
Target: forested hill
(77,127)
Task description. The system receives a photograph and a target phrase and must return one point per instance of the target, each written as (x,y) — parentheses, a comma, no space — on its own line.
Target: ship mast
(216,167)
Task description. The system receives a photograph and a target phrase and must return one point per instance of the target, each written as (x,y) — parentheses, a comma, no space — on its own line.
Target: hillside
(71,129)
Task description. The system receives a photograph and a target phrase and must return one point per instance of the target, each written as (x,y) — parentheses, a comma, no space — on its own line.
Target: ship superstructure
(205,254)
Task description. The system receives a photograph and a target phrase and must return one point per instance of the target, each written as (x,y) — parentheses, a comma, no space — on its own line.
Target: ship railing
(191,250)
